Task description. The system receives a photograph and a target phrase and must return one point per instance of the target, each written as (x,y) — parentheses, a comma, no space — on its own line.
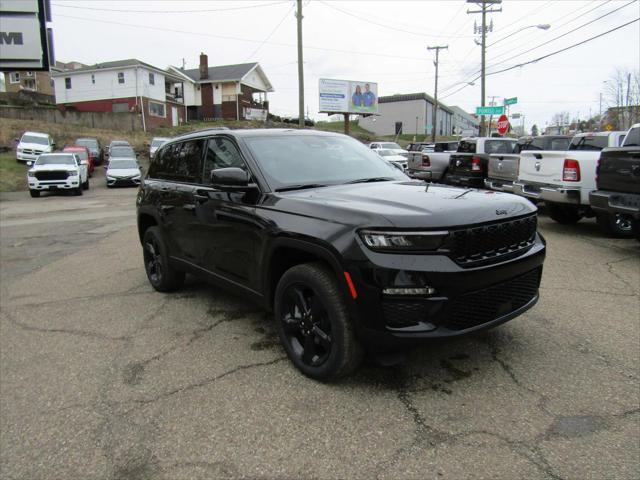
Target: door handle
(190,207)
(166,208)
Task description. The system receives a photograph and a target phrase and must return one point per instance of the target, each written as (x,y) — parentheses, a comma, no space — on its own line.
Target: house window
(120,107)
(93,79)
(152,79)
(29,73)
(67,83)
(14,77)
(156,109)
(30,84)
(120,77)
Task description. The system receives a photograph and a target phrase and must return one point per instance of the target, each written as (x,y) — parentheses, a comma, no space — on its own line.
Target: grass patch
(13,175)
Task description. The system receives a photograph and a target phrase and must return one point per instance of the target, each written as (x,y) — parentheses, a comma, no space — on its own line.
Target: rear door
(460,162)
(541,166)
(504,166)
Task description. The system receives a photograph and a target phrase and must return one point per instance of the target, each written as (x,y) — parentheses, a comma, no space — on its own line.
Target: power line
(564,34)
(549,54)
(388,27)
(226,37)
(547,42)
(246,7)
(270,34)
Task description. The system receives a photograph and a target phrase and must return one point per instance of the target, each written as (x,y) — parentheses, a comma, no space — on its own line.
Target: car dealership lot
(102,377)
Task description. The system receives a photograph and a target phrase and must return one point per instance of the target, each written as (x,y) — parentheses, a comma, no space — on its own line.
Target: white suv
(32,144)
(57,171)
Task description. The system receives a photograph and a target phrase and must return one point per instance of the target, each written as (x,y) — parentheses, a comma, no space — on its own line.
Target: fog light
(409,291)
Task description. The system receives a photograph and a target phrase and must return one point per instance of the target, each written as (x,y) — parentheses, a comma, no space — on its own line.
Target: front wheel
(85,185)
(34,193)
(564,214)
(78,191)
(313,323)
(615,225)
(635,226)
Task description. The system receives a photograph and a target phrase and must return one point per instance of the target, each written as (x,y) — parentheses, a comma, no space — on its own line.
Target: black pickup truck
(469,165)
(617,199)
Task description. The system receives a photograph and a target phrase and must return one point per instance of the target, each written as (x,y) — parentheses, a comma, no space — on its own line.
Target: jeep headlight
(403,241)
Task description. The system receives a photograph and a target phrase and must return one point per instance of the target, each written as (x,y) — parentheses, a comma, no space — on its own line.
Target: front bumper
(26,157)
(68,184)
(549,193)
(123,182)
(615,202)
(465,299)
(498,185)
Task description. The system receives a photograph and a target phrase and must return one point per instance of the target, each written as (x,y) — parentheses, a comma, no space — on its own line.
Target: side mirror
(231,179)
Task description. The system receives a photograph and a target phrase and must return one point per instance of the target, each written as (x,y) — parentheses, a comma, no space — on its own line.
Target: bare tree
(622,99)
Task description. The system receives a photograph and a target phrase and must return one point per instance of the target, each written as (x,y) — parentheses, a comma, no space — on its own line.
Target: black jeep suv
(350,253)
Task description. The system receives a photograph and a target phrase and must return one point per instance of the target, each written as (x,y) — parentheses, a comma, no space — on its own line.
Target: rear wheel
(34,193)
(615,225)
(313,323)
(564,214)
(162,276)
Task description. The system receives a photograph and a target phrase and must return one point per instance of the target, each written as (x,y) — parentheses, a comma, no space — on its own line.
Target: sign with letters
(25,41)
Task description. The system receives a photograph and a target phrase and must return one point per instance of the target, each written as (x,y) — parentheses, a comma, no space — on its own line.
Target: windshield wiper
(301,186)
(371,179)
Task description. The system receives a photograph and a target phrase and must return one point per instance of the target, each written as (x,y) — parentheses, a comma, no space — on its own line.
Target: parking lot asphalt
(103,378)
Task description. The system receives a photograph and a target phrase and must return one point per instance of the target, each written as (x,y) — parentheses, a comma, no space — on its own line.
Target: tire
(615,225)
(564,214)
(78,191)
(635,225)
(323,348)
(34,193)
(162,276)
(85,185)
(444,178)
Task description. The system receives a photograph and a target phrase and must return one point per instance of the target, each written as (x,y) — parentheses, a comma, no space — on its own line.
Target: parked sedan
(117,143)
(95,149)
(123,172)
(393,157)
(389,146)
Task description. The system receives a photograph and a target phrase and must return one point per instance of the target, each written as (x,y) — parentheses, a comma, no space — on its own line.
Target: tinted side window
(221,153)
(633,138)
(180,162)
(467,147)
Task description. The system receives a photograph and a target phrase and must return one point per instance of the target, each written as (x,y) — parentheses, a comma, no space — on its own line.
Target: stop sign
(503,124)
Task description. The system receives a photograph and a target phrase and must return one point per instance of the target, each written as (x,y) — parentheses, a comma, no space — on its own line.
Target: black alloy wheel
(615,225)
(306,325)
(314,324)
(153,261)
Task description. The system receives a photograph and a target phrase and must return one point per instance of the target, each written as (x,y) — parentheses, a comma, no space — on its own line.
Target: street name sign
(489,110)
(511,101)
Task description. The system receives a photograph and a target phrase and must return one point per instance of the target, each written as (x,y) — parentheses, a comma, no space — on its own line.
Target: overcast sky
(379,41)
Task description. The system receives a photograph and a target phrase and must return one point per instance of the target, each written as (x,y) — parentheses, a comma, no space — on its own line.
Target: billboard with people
(346,96)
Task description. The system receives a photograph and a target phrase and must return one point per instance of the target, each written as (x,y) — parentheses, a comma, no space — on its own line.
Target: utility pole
(492,103)
(300,68)
(434,115)
(485,7)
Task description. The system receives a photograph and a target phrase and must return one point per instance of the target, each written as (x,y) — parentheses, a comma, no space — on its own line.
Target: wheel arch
(285,253)
(145,221)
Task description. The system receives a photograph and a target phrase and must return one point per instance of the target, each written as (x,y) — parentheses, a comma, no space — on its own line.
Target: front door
(228,227)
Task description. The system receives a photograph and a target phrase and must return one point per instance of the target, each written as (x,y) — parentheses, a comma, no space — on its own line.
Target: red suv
(84,154)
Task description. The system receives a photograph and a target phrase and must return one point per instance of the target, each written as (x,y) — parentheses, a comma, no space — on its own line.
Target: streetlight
(541,26)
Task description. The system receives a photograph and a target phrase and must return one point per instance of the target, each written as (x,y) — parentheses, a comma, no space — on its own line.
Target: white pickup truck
(57,171)
(563,180)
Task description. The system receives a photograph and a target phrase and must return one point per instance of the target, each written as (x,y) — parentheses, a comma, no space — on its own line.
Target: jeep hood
(404,204)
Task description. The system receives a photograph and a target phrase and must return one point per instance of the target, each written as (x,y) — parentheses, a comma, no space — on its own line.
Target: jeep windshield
(56,160)
(299,161)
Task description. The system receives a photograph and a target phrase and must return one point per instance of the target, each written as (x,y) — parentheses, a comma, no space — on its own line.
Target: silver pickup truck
(429,161)
(503,169)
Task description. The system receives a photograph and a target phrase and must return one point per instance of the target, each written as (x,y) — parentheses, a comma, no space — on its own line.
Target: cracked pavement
(103,378)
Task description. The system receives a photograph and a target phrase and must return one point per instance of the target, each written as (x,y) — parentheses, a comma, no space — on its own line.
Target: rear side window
(589,143)
(221,153)
(633,138)
(179,162)
(467,147)
(497,146)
